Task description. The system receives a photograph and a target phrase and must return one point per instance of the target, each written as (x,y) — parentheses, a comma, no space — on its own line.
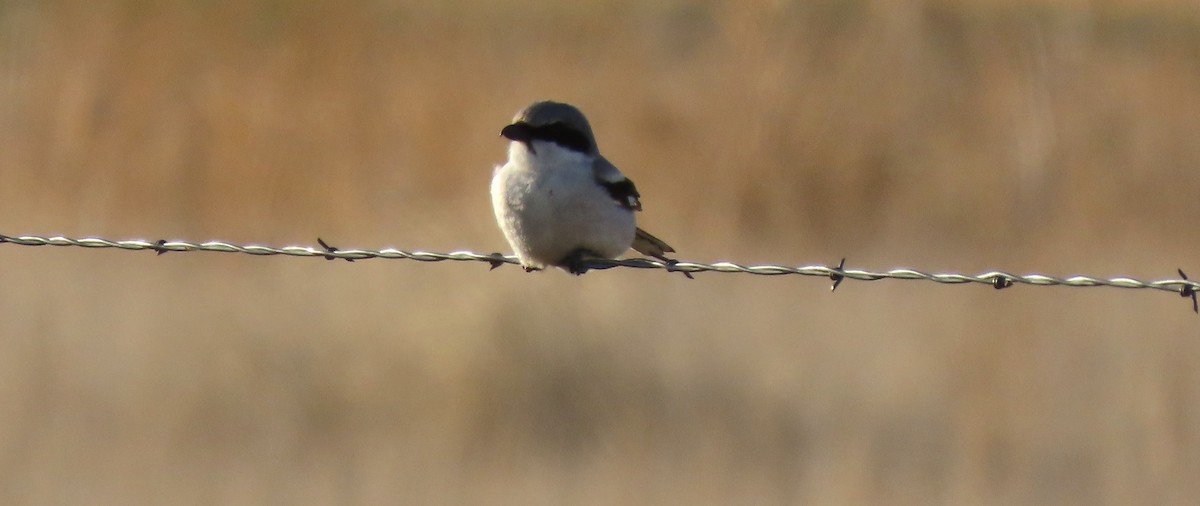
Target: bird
(558,201)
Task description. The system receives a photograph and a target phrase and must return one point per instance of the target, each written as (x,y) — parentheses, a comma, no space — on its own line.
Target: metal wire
(997,279)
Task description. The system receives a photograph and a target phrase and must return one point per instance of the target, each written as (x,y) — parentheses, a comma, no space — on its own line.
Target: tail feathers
(647,244)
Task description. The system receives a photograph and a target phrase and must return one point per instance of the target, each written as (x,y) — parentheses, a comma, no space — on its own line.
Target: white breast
(548,204)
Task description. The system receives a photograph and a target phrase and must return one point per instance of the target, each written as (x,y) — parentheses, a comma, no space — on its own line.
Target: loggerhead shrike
(558,201)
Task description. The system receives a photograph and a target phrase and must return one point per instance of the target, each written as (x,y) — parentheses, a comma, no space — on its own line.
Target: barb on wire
(997,279)
(837,277)
(1001,282)
(1189,291)
(331,249)
(158,246)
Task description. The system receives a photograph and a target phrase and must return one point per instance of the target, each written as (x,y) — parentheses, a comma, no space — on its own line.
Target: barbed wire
(997,279)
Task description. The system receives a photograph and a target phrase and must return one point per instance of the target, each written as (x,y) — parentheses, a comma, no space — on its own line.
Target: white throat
(546,156)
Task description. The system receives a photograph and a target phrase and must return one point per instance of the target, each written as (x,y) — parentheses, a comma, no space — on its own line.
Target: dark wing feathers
(619,187)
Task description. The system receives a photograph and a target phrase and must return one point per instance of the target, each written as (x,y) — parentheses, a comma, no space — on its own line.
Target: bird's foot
(576,261)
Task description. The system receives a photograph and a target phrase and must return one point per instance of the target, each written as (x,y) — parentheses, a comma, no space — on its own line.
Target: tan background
(1040,136)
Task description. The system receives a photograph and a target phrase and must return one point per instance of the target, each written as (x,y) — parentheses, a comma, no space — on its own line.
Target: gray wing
(625,193)
(619,187)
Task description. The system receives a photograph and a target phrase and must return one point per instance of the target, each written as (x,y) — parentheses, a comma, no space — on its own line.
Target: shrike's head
(554,122)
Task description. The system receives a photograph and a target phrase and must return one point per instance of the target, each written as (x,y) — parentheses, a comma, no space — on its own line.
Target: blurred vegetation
(1051,136)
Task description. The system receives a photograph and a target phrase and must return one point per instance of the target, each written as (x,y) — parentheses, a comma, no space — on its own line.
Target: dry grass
(1035,135)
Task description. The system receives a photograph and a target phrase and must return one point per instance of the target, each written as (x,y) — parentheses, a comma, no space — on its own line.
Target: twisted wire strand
(997,279)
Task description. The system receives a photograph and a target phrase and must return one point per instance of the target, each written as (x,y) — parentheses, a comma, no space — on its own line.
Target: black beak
(519,132)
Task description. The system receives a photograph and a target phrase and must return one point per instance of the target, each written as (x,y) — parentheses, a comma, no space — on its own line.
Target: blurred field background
(1060,137)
